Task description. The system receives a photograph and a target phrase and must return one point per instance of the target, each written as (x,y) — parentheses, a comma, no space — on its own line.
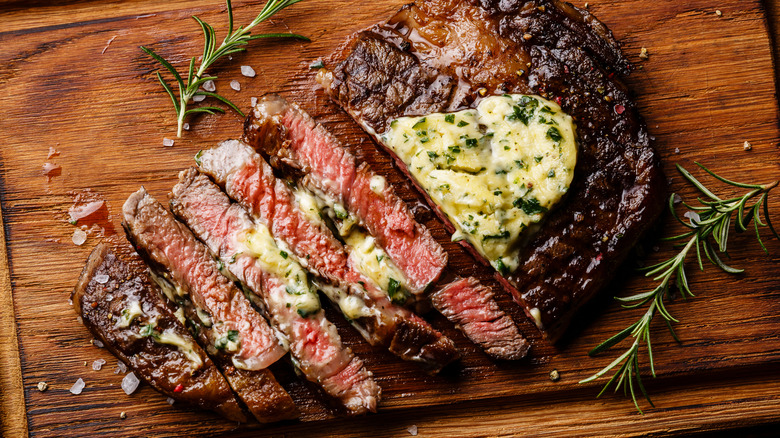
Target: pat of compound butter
(495,171)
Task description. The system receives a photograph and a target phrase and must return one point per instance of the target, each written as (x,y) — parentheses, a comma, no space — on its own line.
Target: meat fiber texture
(108,288)
(286,133)
(472,308)
(294,141)
(174,252)
(249,180)
(445,55)
(314,342)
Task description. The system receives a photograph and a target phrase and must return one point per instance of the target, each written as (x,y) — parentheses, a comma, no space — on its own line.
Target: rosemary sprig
(708,232)
(234,42)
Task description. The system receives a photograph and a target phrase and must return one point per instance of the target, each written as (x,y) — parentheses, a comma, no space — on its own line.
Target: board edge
(13,418)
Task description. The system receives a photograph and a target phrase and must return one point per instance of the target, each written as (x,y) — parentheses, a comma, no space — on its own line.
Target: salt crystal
(80,211)
(77,387)
(198,98)
(97,343)
(130,383)
(120,367)
(101,278)
(79,237)
(52,152)
(49,168)
(676,150)
(253,101)
(693,217)
(186,126)
(209,86)
(412,430)
(167,142)
(98,364)
(171,401)
(234,84)
(747,146)
(677,199)
(247,71)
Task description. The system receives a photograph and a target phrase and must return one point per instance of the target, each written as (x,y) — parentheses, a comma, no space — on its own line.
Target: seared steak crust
(464,50)
(101,303)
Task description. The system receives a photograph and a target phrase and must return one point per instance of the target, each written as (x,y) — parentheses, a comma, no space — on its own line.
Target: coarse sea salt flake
(98,364)
(198,98)
(234,84)
(253,101)
(171,400)
(79,237)
(247,71)
(412,430)
(77,387)
(97,343)
(186,126)
(101,278)
(167,142)
(120,367)
(210,86)
(130,383)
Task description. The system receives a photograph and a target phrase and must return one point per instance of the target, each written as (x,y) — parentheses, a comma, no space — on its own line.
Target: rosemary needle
(708,232)
(234,42)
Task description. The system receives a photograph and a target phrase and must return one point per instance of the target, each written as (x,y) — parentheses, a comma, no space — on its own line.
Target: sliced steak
(472,308)
(249,180)
(314,342)
(294,142)
(240,340)
(116,299)
(444,55)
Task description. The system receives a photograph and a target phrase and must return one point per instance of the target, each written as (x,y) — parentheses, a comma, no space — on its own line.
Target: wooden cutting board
(72,78)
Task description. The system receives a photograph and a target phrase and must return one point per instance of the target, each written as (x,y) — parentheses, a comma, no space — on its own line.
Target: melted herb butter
(494,171)
(368,257)
(373,262)
(280,262)
(131,312)
(170,338)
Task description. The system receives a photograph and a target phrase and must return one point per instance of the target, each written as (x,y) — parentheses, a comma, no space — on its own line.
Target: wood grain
(106,115)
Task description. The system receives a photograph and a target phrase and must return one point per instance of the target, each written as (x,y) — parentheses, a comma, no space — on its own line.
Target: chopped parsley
(419,123)
(529,206)
(283,254)
(554,134)
(449,118)
(462,123)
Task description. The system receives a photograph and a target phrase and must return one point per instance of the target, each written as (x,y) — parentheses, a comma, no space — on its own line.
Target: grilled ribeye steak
(314,341)
(250,181)
(116,299)
(444,55)
(239,340)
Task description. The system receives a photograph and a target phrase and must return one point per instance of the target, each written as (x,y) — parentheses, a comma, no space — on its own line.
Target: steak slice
(313,341)
(116,299)
(444,55)
(295,142)
(471,307)
(249,180)
(239,339)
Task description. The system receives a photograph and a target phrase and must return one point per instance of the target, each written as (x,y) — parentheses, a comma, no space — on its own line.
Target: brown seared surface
(164,367)
(433,56)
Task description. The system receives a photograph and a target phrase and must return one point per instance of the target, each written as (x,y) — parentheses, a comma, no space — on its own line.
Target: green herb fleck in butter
(272,258)
(495,171)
